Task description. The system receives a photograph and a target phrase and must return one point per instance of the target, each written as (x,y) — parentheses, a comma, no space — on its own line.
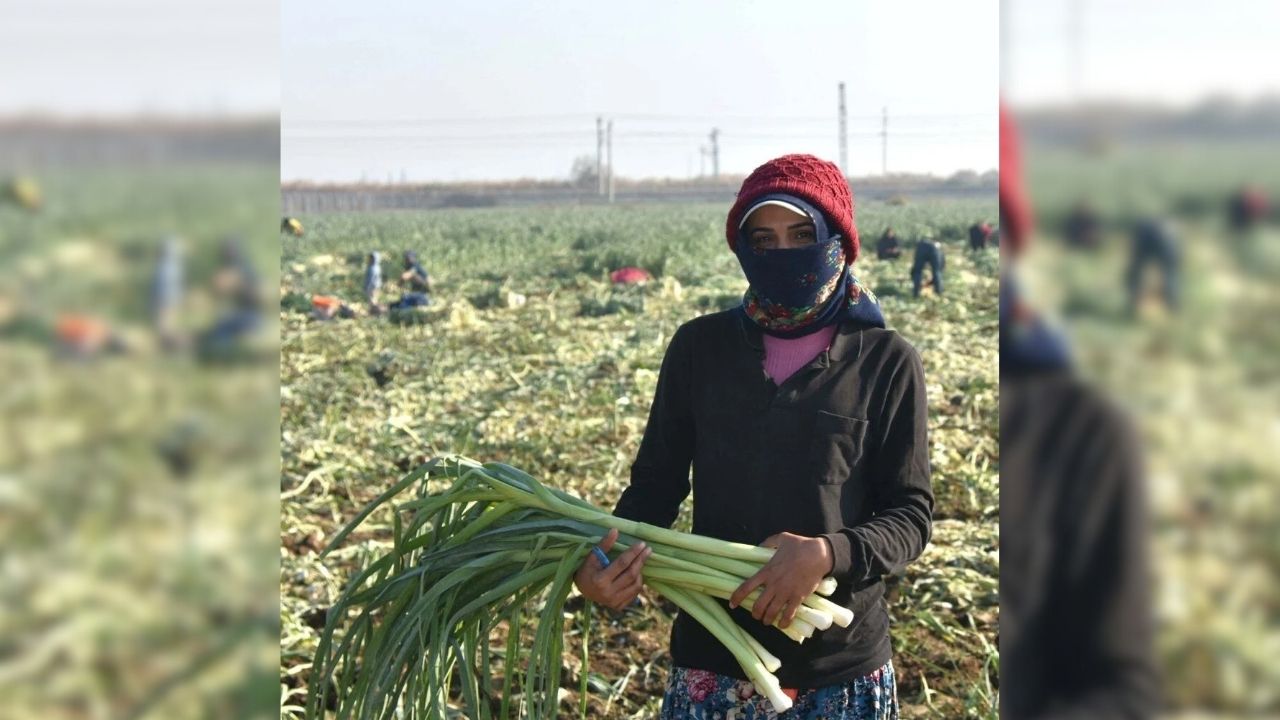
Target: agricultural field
(137,498)
(530,357)
(1203,386)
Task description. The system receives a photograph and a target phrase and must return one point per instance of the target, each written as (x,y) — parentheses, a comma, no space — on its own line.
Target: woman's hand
(618,585)
(791,575)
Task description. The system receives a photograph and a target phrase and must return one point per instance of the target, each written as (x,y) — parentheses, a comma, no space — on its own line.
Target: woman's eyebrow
(806,223)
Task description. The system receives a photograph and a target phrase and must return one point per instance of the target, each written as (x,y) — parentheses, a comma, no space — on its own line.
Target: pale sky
(128,57)
(1173,52)
(506,89)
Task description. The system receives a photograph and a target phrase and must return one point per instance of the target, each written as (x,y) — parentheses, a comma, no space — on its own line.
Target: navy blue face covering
(799,291)
(1027,344)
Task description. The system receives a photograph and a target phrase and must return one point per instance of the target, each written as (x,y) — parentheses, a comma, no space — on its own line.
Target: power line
(640,135)
(585,119)
(436,136)
(522,119)
(518,136)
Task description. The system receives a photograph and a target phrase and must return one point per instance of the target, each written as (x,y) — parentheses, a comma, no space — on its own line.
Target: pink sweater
(782,358)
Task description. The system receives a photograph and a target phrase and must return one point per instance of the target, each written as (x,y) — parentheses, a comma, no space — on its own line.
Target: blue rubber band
(604,559)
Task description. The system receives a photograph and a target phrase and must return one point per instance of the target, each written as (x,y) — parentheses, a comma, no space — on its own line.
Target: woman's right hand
(618,585)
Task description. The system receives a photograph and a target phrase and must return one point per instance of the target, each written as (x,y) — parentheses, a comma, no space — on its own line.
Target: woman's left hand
(791,575)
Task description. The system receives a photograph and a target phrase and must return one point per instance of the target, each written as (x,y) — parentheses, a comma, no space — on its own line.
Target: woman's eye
(805,236)
(760,242)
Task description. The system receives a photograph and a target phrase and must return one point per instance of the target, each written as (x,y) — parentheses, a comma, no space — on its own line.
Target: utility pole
(609,137)
(716,153)
(844,135)
(599,155)
(884,141)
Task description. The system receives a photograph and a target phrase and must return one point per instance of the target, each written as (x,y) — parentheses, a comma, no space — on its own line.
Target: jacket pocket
(836,447)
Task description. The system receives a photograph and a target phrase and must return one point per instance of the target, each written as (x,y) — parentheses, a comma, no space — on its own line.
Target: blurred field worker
(1083,228)
(373,278)
(979,235)
(411,300)
(1247,208)
(292,226)
(418,283)
(166,292)
(415,277)
(1076,627)
(1154,248)
(25,193)
(238,283)
(928,255)
(888,247)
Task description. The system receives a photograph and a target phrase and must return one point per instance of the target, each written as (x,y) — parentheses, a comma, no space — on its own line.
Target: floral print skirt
(702,695)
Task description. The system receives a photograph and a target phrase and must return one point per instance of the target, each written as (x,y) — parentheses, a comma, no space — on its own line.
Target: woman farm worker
(804,422)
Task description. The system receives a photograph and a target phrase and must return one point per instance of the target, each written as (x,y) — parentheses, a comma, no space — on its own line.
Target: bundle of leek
(417,621)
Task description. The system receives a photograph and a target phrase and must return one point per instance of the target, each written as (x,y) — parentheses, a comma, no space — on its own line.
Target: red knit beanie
(818,182)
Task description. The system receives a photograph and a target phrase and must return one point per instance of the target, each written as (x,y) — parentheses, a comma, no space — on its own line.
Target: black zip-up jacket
(839,450)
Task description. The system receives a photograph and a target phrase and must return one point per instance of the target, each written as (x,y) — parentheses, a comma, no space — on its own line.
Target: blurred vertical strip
(1076,627)
(1152,279)
(139,360)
